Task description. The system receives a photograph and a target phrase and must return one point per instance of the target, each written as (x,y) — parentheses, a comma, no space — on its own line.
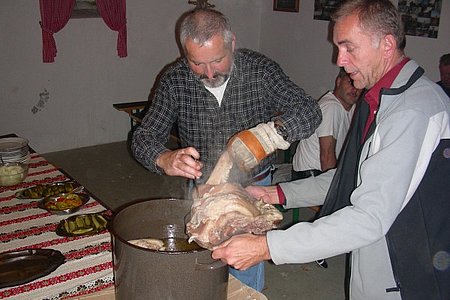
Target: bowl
(12,173)
(65,203)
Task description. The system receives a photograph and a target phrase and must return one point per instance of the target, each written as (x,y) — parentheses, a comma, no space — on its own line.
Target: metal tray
(83,228)
(77,188)
(20,267)
(44,203)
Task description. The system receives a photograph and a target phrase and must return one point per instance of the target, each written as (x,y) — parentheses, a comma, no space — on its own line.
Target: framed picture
(286,5)
(85,9)
(324,8)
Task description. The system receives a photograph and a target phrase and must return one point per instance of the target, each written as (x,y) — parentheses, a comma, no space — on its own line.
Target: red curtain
(113,13)
(54,16)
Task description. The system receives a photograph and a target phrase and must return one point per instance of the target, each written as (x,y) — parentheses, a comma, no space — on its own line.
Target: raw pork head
(221,210)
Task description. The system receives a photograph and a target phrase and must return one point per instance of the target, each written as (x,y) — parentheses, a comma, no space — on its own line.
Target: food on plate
(44,190)
(153,244)
(221,209)
(64,203)
(12,173)
(82,225)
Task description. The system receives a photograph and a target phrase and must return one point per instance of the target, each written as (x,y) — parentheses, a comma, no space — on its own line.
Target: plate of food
(86,224)
(65,203)
(20,267)
(41,191)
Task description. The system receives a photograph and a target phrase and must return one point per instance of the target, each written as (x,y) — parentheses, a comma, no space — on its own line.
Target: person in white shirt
(320,151)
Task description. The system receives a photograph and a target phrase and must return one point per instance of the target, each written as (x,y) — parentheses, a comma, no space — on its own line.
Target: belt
(305,174)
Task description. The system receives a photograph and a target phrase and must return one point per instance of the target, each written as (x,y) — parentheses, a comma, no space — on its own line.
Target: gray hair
(379,17)
(200,25)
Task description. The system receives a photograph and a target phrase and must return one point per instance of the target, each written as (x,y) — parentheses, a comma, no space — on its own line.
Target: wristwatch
(281,130)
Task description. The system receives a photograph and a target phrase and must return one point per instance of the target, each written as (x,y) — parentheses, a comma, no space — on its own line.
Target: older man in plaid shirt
(212,93)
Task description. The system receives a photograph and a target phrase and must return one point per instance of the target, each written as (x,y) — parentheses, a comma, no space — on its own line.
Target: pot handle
(216,264)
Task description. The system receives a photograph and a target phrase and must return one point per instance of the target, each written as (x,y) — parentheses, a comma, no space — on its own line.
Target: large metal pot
(176,274)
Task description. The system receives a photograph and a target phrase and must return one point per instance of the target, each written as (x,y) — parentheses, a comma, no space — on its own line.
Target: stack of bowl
(14,157)
(14,149)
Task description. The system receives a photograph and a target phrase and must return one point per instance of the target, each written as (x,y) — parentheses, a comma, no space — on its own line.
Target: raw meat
(221,210)
(153,244)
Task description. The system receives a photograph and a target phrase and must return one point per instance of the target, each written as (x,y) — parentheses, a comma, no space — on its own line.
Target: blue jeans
(254,276)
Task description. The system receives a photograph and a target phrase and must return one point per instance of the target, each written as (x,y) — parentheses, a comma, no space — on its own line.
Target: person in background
(213,92)
(444,70)
(388,203)
(320,151)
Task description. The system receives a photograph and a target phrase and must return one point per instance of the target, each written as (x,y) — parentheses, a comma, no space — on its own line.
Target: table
(88,265)
(133,109)
(88,270)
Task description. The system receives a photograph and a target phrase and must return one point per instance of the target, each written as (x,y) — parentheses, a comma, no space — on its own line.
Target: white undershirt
(218,91)
(335,122)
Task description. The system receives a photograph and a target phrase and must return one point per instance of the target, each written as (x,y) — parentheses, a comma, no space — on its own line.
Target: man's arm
(150,137)
(243,251)
(299,193)
(181,162)
(327,146)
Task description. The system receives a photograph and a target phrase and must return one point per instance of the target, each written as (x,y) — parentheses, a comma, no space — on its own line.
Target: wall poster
(324,8)
(421,17)
(286,5)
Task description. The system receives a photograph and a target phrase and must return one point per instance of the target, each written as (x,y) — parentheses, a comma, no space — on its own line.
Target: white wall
(301,46)
(88,76)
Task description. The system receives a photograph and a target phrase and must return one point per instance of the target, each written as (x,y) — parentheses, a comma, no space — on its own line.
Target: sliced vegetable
(45,190)
(82,224)
(63,202)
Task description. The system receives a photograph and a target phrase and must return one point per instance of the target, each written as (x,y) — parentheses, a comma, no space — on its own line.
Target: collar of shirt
(372,97)
(219,91)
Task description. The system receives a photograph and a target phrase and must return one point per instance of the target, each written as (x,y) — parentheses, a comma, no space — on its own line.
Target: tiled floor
(110,172)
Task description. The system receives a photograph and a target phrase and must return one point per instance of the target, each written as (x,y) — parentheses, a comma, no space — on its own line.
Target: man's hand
(181,162)
(243,251)
(249,147)
(268,194)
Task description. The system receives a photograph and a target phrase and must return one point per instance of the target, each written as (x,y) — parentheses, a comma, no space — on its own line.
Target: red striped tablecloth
(23,225)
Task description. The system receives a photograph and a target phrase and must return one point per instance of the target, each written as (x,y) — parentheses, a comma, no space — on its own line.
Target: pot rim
(117,236)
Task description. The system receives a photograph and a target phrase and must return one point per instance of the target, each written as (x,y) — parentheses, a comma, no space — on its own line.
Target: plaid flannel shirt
(258,91)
